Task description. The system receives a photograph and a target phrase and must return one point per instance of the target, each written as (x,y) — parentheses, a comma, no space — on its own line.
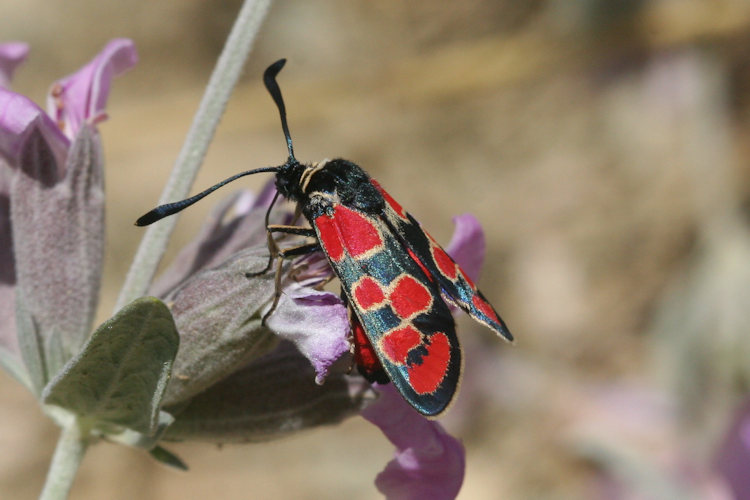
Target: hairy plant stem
(223,80)
(65,462)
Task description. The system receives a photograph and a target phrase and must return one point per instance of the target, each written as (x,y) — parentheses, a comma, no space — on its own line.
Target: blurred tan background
(602,144)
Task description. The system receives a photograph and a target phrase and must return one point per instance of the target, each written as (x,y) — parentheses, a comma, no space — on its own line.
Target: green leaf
(120,376)
(168,458)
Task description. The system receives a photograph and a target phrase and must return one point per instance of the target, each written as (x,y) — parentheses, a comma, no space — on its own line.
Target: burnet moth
(395,278)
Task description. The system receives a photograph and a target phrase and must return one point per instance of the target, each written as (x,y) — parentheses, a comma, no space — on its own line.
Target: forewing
(452,280)
(399,307)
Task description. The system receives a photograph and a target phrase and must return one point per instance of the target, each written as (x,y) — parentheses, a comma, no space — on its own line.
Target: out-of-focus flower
(52,216)
(429,463)
(11,55)
(733,455)
(467,245)
(619,427)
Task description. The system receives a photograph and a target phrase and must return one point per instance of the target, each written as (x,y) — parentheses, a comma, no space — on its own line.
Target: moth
(396,279)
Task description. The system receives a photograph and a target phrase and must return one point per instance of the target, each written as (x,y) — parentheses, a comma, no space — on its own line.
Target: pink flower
(429,463)
(52,215)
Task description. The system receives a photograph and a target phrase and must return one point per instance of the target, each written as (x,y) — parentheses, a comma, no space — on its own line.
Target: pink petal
(733,457)
(429,463)
(11,55)
(19,118)
(317,322)
(83,95)
(467,246)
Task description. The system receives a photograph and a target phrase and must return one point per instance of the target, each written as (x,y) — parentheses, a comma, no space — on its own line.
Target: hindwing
(398,305)
(452,280)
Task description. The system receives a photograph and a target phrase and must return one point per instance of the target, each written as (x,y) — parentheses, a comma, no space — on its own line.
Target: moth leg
(326,281)
(303,249)
(300,268)
(273,248)
(299,230)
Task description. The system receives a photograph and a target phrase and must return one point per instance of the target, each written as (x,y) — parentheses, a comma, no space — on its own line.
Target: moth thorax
(309,172)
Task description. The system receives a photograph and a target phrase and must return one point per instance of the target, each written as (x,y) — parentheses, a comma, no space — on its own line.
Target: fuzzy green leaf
(120,375)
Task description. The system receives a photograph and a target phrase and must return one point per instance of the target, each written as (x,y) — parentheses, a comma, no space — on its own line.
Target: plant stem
(223,80)
(68,455)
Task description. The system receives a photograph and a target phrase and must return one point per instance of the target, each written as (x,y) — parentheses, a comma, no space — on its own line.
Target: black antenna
(172,208)
(269,79)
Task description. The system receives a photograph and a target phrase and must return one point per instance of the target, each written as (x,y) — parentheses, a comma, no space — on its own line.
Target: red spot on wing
(389,200)
(444,263)
(358,232)
(347,230)
(419,263)
(426,377)
(409,297)
(485,308)
(367,293)
(468,280)
(397,343)
(329,237)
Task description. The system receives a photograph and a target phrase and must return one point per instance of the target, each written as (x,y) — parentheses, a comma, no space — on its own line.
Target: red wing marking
(444,263)
(330,238)
(388,199)
(426,378)
(364,354)
(347,230)
(397,343)
(468,280)
(419,263)
(367,293)
(484,308)
(359,234)
(408,297)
